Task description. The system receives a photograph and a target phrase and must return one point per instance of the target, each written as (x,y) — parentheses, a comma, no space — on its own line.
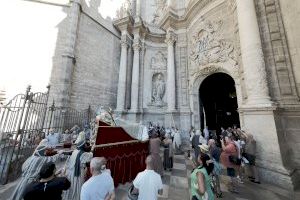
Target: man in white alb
(53,138)
(148,183)
(101,185)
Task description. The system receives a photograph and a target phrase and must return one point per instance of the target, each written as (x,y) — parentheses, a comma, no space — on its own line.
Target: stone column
(171,85)
(259,115)
(138,8)
(135,73)
(252,54)
(122,73)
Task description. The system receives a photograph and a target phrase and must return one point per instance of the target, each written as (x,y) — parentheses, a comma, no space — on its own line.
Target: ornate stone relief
(158,61)
(161,6)
(207,46)
(158,90)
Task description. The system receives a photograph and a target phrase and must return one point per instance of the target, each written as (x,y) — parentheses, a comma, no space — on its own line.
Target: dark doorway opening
(218,102)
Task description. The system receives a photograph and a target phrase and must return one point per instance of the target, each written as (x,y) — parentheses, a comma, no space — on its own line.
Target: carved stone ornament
(208,47)
(158,90)
(158,61)
(124,41)
(161,6)
(206,71)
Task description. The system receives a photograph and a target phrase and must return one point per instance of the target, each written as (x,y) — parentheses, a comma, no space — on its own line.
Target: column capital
(136,45)
(170,38)
(124,41)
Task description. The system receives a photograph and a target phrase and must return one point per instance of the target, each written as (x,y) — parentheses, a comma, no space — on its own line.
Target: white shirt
(53,139)
(149,183)
(97,187)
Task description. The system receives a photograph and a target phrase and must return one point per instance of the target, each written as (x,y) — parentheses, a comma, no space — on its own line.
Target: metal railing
(24,121)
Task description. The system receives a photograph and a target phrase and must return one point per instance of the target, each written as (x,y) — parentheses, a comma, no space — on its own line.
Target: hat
(203,148)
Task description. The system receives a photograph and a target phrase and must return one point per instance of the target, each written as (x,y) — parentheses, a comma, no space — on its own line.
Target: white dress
(73,193)
(30,172)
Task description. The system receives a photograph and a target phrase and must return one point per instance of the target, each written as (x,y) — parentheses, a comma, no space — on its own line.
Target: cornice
(124,24)
(172,20)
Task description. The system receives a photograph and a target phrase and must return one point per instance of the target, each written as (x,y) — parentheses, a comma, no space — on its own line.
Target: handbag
(132,196)
(235,160)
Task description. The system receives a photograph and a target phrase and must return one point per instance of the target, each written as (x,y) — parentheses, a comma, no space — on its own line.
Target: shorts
(230,172)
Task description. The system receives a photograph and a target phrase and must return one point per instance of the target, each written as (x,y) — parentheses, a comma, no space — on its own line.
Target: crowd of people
(85,177)
(232,149)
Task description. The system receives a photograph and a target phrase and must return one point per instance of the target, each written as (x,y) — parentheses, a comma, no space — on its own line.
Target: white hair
(97,164)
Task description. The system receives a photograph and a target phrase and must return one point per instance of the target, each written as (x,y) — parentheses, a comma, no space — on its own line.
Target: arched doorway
(218,102)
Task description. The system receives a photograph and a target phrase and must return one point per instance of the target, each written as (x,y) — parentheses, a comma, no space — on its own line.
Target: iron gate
(24,121)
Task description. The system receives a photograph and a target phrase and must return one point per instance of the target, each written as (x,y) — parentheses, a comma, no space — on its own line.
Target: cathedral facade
(162,60)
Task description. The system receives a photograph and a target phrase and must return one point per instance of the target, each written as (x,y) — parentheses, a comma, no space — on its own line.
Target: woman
(76,170)
(168,153)
(154,151)
(31,168)
(230,150)
(250,151)
(201,181)
(215,153)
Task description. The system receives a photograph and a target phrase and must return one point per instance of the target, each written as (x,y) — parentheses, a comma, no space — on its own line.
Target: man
(32,166)
(53,138)
(154,149)
(148,183)
(101,185)
(48,187)
(206,133)
(177,142)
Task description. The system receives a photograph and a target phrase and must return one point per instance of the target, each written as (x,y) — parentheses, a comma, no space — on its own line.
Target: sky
(27,42)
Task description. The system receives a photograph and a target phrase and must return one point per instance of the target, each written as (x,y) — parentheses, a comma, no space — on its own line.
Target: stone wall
(279,32)
(95,66)
(95,75)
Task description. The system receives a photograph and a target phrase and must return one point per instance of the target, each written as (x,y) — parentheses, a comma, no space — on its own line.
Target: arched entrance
(218,102)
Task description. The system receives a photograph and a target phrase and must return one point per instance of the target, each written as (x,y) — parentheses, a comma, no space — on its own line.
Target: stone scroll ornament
(158,90)
(207,46)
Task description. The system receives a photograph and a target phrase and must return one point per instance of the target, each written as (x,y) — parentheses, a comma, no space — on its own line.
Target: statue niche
(158,90)
(158,61)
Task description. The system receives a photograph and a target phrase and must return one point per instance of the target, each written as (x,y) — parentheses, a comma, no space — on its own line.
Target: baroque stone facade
(150,62)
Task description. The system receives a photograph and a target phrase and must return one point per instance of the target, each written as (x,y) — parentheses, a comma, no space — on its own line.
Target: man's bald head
(149,162)
(97,164)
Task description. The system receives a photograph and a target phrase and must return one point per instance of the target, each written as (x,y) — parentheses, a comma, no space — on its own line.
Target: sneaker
(235,191)
(254,181)
(239,180)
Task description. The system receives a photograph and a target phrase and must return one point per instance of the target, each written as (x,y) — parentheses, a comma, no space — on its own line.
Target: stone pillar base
(281,178)
(134,116)
(270,154)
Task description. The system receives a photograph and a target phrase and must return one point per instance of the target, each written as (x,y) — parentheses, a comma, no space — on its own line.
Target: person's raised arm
(201,185)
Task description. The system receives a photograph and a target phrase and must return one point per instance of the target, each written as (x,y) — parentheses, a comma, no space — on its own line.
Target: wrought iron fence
(24,121)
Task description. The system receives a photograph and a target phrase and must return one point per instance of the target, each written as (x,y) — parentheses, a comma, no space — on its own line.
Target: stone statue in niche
(158,61)
(158,90)
(207,47)
(160,7)
(125,10)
